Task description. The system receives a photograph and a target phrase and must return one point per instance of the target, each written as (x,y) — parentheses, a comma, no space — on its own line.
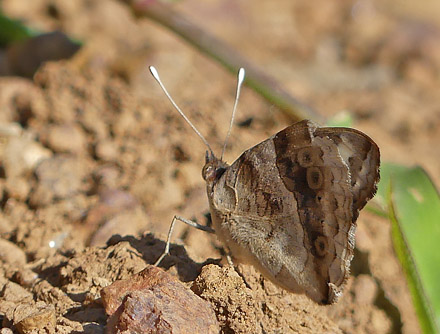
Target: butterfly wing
(290,203)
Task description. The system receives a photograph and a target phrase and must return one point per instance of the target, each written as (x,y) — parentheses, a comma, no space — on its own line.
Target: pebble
(153,301)
(39,317)
(66,138)
(21,155)
(106,150)
(12,292)
(18,188)
(59,177)
(11,253)
(118,225)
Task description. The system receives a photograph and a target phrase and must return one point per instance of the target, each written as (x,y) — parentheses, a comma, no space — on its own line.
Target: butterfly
(289,204)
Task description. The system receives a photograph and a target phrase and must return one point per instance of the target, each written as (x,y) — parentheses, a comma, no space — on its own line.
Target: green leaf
(413,206)
(13,31)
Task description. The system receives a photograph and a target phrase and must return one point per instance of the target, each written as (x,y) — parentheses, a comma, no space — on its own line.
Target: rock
(21,100)
(153,301)
(6,225)
(13,292)
(26,277)
(11,295)
(58,178)
(60,300)
(17,188)
(66,138)
(28,318)
(106,150)
(11,253)
(10,130)
(117,212)
(21,155)
(124,223)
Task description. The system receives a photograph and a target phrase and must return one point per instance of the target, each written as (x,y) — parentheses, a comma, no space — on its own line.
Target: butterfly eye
(208,172)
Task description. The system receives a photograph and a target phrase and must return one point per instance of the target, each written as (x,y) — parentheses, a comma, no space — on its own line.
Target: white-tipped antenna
(240,79)
(155,74)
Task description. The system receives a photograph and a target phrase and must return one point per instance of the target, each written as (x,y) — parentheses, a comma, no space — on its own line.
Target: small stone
(18,188)
(58,178)
(21,155)
(10,130)
(25,277)
(112,203)
(66,138)
(28,318)
(124,223)
(6,225)
(13,292)
(11,295)
(106,150)
(60,300)
(11,253)
(153,301)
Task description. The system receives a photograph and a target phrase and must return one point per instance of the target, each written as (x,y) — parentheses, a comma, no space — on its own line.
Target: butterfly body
(289,205)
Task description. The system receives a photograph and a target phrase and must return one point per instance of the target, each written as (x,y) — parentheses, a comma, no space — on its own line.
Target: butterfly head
(213,169)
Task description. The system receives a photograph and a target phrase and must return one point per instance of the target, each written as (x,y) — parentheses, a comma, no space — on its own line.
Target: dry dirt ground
(95,162)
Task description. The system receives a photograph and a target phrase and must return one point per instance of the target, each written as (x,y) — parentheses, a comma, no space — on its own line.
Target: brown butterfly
(289,204)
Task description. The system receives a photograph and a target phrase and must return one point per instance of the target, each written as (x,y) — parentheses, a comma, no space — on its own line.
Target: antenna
(155,75)
(240,79)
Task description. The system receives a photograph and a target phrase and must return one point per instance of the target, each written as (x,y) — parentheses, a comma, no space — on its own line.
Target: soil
(95,162)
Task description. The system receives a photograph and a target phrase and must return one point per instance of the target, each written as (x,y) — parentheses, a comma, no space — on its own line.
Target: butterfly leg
(229,259)
(170,232)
